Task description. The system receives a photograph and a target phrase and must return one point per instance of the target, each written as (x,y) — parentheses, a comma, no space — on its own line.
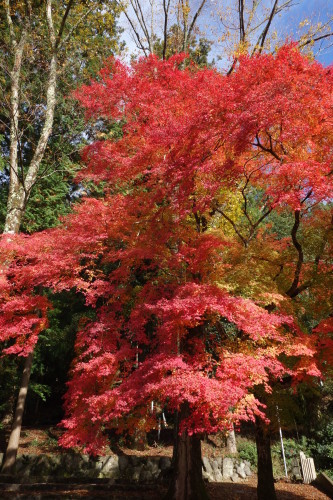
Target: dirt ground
(217,491)
(44,440)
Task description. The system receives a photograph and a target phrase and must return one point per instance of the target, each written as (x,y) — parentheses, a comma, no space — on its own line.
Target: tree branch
(10,24)
(310,40)
(65,40)
(195,17)
(244,241)
(262,37)
(294,289)
(241,20)
(267,150)
(63,22)
(165,27)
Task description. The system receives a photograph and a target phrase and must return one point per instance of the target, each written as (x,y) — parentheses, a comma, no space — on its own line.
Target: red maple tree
(188,313)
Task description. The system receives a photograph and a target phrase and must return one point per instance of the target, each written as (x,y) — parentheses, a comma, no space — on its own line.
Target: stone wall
(223,469)
(127,468)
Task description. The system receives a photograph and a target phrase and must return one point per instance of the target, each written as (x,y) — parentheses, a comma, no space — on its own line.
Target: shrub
(247,450)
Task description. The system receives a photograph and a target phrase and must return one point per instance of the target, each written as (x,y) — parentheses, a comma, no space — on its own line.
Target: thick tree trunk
(13,444)
(187,481)
(265,488)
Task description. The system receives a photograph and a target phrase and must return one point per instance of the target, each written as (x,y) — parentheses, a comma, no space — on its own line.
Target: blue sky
(287,25)
(316,11)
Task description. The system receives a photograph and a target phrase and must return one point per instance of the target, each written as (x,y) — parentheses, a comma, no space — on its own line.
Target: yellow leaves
(241,48)
(305,22)
(232,207)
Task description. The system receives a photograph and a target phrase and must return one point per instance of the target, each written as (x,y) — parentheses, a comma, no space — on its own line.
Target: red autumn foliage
(150,258)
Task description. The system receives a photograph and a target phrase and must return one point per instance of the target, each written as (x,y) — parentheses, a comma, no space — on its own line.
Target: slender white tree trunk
(21,184)
(20,188)
(14,439)
(16,191)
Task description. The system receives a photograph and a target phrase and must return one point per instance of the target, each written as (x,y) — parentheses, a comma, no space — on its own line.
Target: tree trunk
(265,488)
(186,482)
(20,185)
(13,444)
(231,441)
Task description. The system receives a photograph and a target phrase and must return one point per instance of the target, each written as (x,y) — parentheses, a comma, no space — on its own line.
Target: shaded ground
(218,491)
(44,440)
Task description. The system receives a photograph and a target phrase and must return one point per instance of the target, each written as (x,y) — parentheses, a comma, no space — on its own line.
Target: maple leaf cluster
(181,305)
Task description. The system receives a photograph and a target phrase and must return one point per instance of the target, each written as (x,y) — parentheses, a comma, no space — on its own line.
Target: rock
(146,476)
(241,472)
(207,466)
(56,460)
(241,465)
(152,466)
(135,461)
(220,462)
(136,473)
(218,476)
(164,463)
(42,465)
(20,466)
(246,462)
(228,467)
(247,471)
(109,466)
(215,465)
(235,478)
(208,476)
(123,462)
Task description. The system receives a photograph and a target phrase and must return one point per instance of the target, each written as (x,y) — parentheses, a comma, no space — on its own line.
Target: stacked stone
(142,469)
(116,468)
(223,469)
(129,468)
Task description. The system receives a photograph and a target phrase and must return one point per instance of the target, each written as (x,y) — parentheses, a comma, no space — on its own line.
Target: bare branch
(195,17)
(166,7)
(136,6)
(63,22)
(50,25)
(316,39)
(241,20)
(262,37)
(137,36)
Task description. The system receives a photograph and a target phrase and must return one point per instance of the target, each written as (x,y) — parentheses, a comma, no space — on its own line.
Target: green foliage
(247,450)
(198,49)
(10,369)
(91,35)
(2,160)
(49,201)
(291,450)
(53,356)
(41,390)
(321,448)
